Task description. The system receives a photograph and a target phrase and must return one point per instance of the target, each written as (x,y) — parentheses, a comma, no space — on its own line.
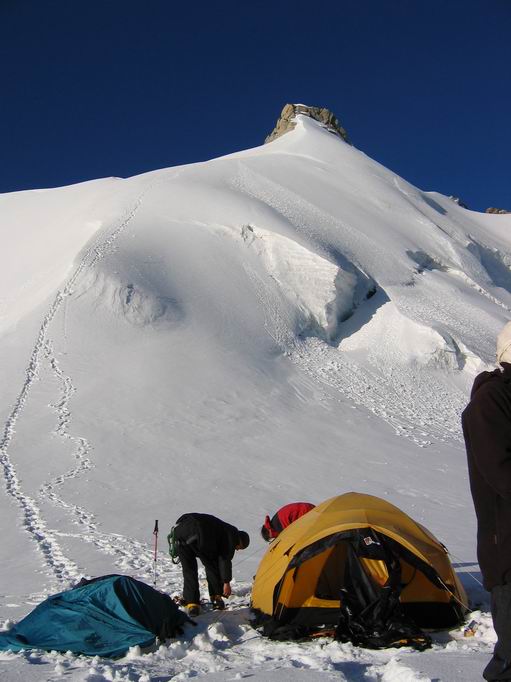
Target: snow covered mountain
(288,322)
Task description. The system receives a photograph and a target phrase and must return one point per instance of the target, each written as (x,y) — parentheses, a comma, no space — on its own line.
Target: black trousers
(186,534)
(499,668)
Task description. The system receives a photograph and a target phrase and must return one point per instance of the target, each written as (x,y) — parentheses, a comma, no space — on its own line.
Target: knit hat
(504,344)
(244,539)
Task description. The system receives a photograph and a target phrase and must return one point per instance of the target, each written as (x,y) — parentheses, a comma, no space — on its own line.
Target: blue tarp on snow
(101,617)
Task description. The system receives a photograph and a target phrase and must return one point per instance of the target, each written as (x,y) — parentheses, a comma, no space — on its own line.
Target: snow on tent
(101,617)
(361,569)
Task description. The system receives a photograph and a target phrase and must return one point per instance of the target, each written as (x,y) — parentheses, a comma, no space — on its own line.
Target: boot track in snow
(131,555)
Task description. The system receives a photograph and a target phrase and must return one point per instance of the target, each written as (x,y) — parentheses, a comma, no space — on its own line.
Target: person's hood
(504,344)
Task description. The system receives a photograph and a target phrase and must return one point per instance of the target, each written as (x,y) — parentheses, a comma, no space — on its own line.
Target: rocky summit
(287,121)
(497,210)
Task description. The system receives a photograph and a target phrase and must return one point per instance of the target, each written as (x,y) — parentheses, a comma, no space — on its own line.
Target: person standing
(486,425)
(285,516)
(213,541)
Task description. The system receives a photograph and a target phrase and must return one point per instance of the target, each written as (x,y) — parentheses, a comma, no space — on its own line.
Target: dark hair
(244,539)
(265,533)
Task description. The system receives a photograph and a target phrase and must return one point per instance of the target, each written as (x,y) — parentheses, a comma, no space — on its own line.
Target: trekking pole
(155,533)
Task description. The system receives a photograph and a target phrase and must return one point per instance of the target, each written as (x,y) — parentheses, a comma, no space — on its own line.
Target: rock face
(286,121)
(496,210)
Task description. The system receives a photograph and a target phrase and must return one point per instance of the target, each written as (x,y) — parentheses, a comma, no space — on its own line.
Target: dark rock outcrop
(324,116)
(458,201)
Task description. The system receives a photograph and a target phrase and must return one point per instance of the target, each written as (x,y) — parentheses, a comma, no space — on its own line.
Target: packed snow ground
(286,323)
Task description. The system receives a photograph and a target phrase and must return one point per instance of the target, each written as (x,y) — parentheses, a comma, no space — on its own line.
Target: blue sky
(117,87)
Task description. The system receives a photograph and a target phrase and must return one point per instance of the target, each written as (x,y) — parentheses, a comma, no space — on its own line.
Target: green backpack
(173,546)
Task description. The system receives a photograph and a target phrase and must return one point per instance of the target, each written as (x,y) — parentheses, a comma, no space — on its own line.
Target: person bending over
(283,518)
(213,541)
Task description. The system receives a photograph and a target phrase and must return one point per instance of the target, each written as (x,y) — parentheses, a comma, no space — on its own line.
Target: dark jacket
(487,431)
(285,517)
(211,539)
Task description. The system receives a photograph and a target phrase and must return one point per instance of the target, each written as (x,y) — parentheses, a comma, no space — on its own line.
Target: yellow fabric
(338,514)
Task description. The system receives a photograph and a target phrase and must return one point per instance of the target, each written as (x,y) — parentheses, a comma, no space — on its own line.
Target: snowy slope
(289,322)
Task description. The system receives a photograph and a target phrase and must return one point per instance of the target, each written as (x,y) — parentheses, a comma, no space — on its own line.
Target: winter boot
(217,602)
(192,609)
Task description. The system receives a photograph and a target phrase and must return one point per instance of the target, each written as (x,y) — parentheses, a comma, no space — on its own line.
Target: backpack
(173,553)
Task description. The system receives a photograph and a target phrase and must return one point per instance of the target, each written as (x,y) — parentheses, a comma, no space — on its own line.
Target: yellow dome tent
(360,559)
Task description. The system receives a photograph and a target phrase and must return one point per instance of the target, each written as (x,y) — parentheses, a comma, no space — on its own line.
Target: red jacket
(285,516)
